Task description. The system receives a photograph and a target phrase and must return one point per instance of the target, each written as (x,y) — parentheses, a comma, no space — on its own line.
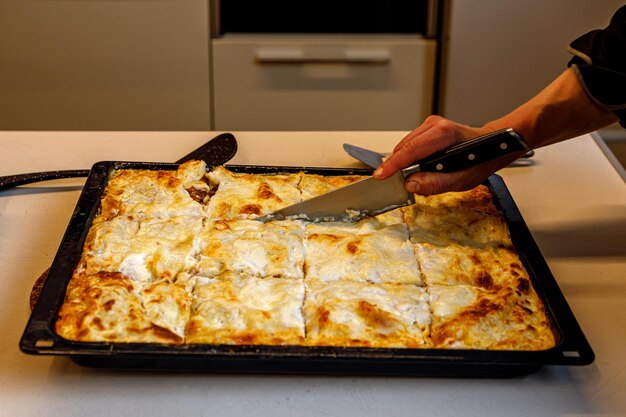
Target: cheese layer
(273,249)
(348,313)
(511,317)
(143,251)
(480,227)
(111,307)
(366,251)
(246,196)
(455,264)
(313,185)
(175,257)
(154,194)
(239,309)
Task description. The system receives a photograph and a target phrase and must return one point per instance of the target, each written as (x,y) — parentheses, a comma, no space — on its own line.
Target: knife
(370,158)
(372,197)
(217,151)
(374,159)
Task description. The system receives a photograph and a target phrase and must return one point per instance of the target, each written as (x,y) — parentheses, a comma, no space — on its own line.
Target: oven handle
(372,56)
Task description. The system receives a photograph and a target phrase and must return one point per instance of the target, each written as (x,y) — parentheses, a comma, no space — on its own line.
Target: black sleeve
(600,63)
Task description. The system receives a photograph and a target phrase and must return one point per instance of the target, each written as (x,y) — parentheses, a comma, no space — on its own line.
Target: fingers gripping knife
(371,196)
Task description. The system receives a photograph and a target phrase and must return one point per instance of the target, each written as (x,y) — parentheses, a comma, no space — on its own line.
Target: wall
(104,65)
(145,64)
(502,52)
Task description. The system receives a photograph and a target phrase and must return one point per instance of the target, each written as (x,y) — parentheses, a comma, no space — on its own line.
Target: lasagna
(177,257)
(366,251)
(348,313)
(241,309)
(468,317)
(246,196)
(273,249)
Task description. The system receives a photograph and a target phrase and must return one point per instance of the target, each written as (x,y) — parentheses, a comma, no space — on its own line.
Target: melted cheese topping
(167,304)
(467,217)
(470,226)
(250,247)
(347,313)
(246,196)
(173,257)
(238,309)
(107,243)
(479,197)
(365,251)
(455,264)
(110,307)
(152,194)
(467,317)
(142,251)
(313,185)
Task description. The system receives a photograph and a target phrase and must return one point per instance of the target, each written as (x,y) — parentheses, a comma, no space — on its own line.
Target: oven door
(324,16)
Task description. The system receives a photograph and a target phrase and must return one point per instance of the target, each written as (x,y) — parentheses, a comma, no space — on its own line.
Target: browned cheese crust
(176,257)
(510,318)
(352,313)
(107,307)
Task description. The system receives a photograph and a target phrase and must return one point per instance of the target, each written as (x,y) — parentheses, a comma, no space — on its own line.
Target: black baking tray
(40,338)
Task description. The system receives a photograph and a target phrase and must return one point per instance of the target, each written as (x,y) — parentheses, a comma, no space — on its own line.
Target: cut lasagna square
(246,196)
(239,309)
(143,251)
(366,251)
(465,225)
(156,194)
(510,318)
(273,249)
(111,307)
(455,264)
(466,217)
(348,313)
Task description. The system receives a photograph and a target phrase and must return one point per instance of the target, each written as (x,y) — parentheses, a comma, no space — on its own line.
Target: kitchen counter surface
(572,199)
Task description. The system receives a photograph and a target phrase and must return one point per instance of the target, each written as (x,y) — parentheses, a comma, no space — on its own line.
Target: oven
(324,65)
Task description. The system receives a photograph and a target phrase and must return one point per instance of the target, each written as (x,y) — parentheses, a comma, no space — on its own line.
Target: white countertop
(572,199)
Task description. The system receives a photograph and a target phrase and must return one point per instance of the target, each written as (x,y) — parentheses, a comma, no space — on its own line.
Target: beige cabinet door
(104,65)
(322,82)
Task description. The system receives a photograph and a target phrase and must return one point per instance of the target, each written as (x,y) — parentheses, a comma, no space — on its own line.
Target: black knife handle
(472,152)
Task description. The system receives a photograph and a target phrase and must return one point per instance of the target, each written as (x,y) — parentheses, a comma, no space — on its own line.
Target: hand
(431,136)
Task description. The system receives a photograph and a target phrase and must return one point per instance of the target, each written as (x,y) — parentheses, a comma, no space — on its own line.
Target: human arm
(589,95)
(561,111)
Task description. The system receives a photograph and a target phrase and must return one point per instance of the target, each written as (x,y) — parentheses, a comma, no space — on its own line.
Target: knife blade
(371,196)
(368,157)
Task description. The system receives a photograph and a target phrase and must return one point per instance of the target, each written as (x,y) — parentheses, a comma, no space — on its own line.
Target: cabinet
(104,65)
(322,82)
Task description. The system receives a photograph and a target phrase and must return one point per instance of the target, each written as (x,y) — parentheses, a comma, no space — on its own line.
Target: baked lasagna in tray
(176,257)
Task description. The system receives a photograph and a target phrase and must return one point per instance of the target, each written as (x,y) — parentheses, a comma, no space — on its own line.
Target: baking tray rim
(39,337)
